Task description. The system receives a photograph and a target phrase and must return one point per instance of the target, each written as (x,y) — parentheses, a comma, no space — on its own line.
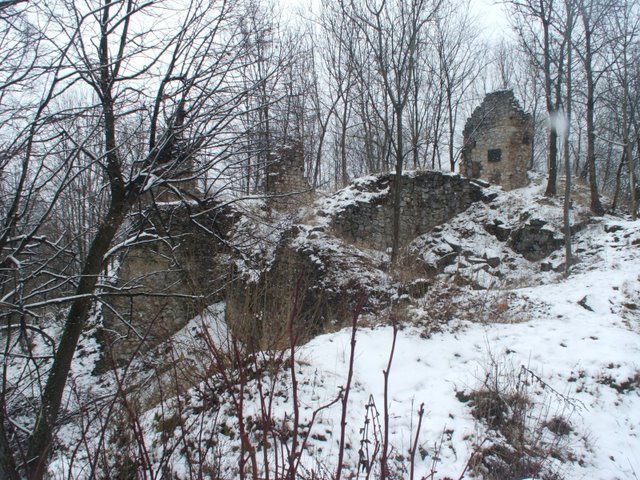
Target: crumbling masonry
(497,142)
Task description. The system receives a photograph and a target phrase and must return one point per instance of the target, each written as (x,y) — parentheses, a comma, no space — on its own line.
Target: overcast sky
(493,17)
(491,14)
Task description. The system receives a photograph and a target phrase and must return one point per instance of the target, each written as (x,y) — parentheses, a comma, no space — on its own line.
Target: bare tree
(389,32)
(335,46)
(537,23)
(624,49)
(420,111)
(593,14)
(30,76)
(156,94)
(459,64)
(503,65)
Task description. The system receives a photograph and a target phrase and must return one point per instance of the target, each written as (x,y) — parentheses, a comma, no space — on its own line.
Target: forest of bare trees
(109,104)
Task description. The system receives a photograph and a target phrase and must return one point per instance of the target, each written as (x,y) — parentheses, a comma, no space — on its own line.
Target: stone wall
(287,186)
(497,142)
(313,283)
(164,283)
(428,199)
(259,312)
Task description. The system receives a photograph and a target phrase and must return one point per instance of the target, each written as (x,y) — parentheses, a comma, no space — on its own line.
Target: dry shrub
(631,384)
(500,462)
(527,425)
(446,302)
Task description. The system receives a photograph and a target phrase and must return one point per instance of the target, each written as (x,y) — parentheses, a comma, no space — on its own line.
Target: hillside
(522,372)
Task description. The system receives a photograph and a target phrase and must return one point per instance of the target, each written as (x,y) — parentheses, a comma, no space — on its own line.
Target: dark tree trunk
(567,157)
(344,176)
(42,437)
(551,110)
(553,163)
(40,442)
(397,196)
(616,192)
(8,468)
(596,206)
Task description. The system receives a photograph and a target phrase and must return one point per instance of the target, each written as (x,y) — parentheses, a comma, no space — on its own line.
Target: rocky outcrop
(505,242)
(534,240)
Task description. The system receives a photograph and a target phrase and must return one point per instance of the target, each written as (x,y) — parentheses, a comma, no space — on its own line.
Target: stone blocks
(497,142)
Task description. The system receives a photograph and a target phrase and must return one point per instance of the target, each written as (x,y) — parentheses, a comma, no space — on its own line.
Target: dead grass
(528,433)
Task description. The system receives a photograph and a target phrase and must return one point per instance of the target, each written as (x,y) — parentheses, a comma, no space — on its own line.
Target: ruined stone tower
(497,141)
(287,186)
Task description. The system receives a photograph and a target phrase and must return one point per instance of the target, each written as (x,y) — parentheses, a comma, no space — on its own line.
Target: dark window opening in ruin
(494,155)
(526,140)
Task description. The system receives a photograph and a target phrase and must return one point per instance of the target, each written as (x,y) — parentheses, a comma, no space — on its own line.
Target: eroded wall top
(497,142)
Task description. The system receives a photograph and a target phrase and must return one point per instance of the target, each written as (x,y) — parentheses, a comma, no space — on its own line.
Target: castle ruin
(497,142)
(287,187)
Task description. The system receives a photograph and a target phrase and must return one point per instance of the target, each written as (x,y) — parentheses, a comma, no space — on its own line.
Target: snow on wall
(363,213)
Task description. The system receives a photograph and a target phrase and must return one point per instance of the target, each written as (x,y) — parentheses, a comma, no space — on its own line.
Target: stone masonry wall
(497,142)
(428,199)
(166,282)
(286,183)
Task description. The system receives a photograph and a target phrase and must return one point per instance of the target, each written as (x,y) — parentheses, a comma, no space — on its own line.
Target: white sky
(490,13)
(493,18)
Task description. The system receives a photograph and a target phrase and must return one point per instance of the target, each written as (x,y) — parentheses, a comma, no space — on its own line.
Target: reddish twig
(347,388)
(414,447)
(385,442)
(293,337)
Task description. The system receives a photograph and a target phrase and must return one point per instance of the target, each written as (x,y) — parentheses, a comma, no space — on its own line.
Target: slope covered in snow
(574,350)
(523,373)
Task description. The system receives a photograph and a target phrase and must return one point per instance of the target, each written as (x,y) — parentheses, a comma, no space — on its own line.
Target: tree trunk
(551,110)
(344,176)
(596,206)
(436,139)
(633,205)
(567,204)
(397,196)
(567,159)
(42,437)
(628,145)
(452,163)
(553,162)
(616,191)
(415,127)
(8,468)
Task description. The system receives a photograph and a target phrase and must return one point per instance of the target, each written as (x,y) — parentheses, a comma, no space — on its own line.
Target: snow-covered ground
(580,347)
(571,346)
(562,353)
